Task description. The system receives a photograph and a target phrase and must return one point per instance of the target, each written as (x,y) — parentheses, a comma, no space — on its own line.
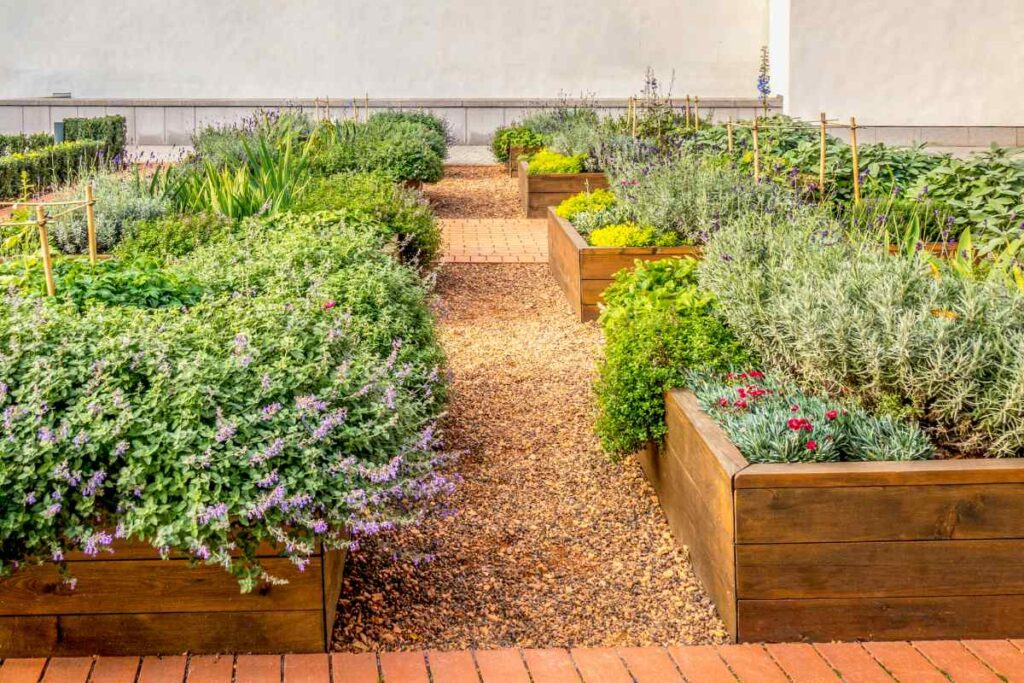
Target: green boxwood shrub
(657,326)
(293,404)
(47,167)
(111,131)
(19,143)
(507,137)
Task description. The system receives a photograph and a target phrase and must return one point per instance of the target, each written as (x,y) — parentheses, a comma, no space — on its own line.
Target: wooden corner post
(824,145)
(90,221)
(856,159)
(44,241)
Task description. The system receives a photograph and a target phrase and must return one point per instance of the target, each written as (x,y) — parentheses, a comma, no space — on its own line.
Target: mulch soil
(550,544)
(475,192)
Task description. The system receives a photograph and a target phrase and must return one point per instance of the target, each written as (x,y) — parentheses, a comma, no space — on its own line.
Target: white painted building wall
(905,62)
(387,48)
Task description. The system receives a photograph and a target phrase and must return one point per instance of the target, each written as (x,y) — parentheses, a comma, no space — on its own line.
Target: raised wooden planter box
(538,192)
(513,158)
(844,551)
(584,272)
(132,602)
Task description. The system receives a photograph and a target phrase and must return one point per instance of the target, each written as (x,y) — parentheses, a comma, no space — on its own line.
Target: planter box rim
(748,475)
(524,167)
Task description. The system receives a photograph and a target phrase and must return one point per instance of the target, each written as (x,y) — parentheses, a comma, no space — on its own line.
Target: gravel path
(475,192)
(551,544)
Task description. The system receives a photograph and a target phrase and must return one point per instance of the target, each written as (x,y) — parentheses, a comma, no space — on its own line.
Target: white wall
(908,62)
(778,39)
(389,48)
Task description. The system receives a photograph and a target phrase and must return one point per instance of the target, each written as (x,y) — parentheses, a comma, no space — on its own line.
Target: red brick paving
(975,661)
(494,240)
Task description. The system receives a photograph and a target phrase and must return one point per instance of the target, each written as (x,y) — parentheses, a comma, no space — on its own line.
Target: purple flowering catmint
(310,404)
(52,510)
(225,431)
(202,552)
(272,451)
(94,482)
(320,526)
(268,481)
(265,382)
(97,541)
(120,449)
(30,498)
(57,555)
(80,439)
(46,435)
(213,512)
(329,422)
(270,411)
(390,394)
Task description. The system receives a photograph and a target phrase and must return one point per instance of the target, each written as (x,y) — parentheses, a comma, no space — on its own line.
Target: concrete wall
(910,63)
(387,48)
(171,122)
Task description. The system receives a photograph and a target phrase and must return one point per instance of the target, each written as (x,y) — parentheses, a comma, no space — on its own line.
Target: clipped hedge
(112,131)
(19,143)
(48,167)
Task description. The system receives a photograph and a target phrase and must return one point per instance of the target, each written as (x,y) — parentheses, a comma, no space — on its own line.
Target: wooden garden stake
(44,240)
(355,110)
(90,221)
(821,167)
(687,111)
(856,160)
(696,112)
(366,106)
(634,116)
(757,153)
(728,127)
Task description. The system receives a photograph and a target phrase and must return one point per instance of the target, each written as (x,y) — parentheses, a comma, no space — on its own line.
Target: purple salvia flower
(270,411)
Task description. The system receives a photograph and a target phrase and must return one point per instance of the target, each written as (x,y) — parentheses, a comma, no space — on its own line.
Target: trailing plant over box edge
(294,405)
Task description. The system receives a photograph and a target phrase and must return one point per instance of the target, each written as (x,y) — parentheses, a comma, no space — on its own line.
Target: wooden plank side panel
(27,636)
(601,263)
(935,618)
(572,183)
(879,513)
(209,633)
(333,569)
(141,586)
(539,202)
(888,569)
(564,258)
(524,188)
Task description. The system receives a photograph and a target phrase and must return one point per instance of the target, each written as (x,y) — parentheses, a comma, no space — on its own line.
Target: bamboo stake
(366,106)
(696,111)
(355,110)
(634,116)
(90,221)
(728,127)
(44,240)
(687,111)
(327,110)
(856,160)
(757,153)
(821,167)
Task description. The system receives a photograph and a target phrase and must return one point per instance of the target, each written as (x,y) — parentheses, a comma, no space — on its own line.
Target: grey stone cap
(408,103)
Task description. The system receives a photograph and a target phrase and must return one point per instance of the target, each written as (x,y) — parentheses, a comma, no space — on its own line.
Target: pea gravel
(550,544)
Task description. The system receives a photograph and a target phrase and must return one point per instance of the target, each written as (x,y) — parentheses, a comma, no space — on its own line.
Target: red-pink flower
(812,445)
(724,402)
(793,423)
(832,414)
(330,304)
(794,408)
(740,404)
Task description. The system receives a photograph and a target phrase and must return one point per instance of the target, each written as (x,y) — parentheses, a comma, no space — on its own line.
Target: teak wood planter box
(844,551)
(584,272)
(513,158)
(538,192)
(132,602)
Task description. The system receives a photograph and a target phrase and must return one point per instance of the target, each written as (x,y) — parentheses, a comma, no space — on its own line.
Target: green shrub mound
(547,161)
(657,326)
(293,403)
(403,150)
(373,199)
(507,137)
(19,143)
(770,421)
(905,335)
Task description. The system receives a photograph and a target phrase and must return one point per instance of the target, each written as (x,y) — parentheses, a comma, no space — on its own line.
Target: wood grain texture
(564,246)
(880,513)
(887,569)
(835,474)
(538,192)
(934,618)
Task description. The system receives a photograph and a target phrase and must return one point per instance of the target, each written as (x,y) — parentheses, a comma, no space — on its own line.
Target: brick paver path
(495,240)
(989,661)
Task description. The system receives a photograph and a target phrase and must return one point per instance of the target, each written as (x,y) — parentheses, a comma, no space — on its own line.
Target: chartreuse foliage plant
(657,325)
(622,235)
(291,398)
(773,422)
(547,161)
(594,201)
